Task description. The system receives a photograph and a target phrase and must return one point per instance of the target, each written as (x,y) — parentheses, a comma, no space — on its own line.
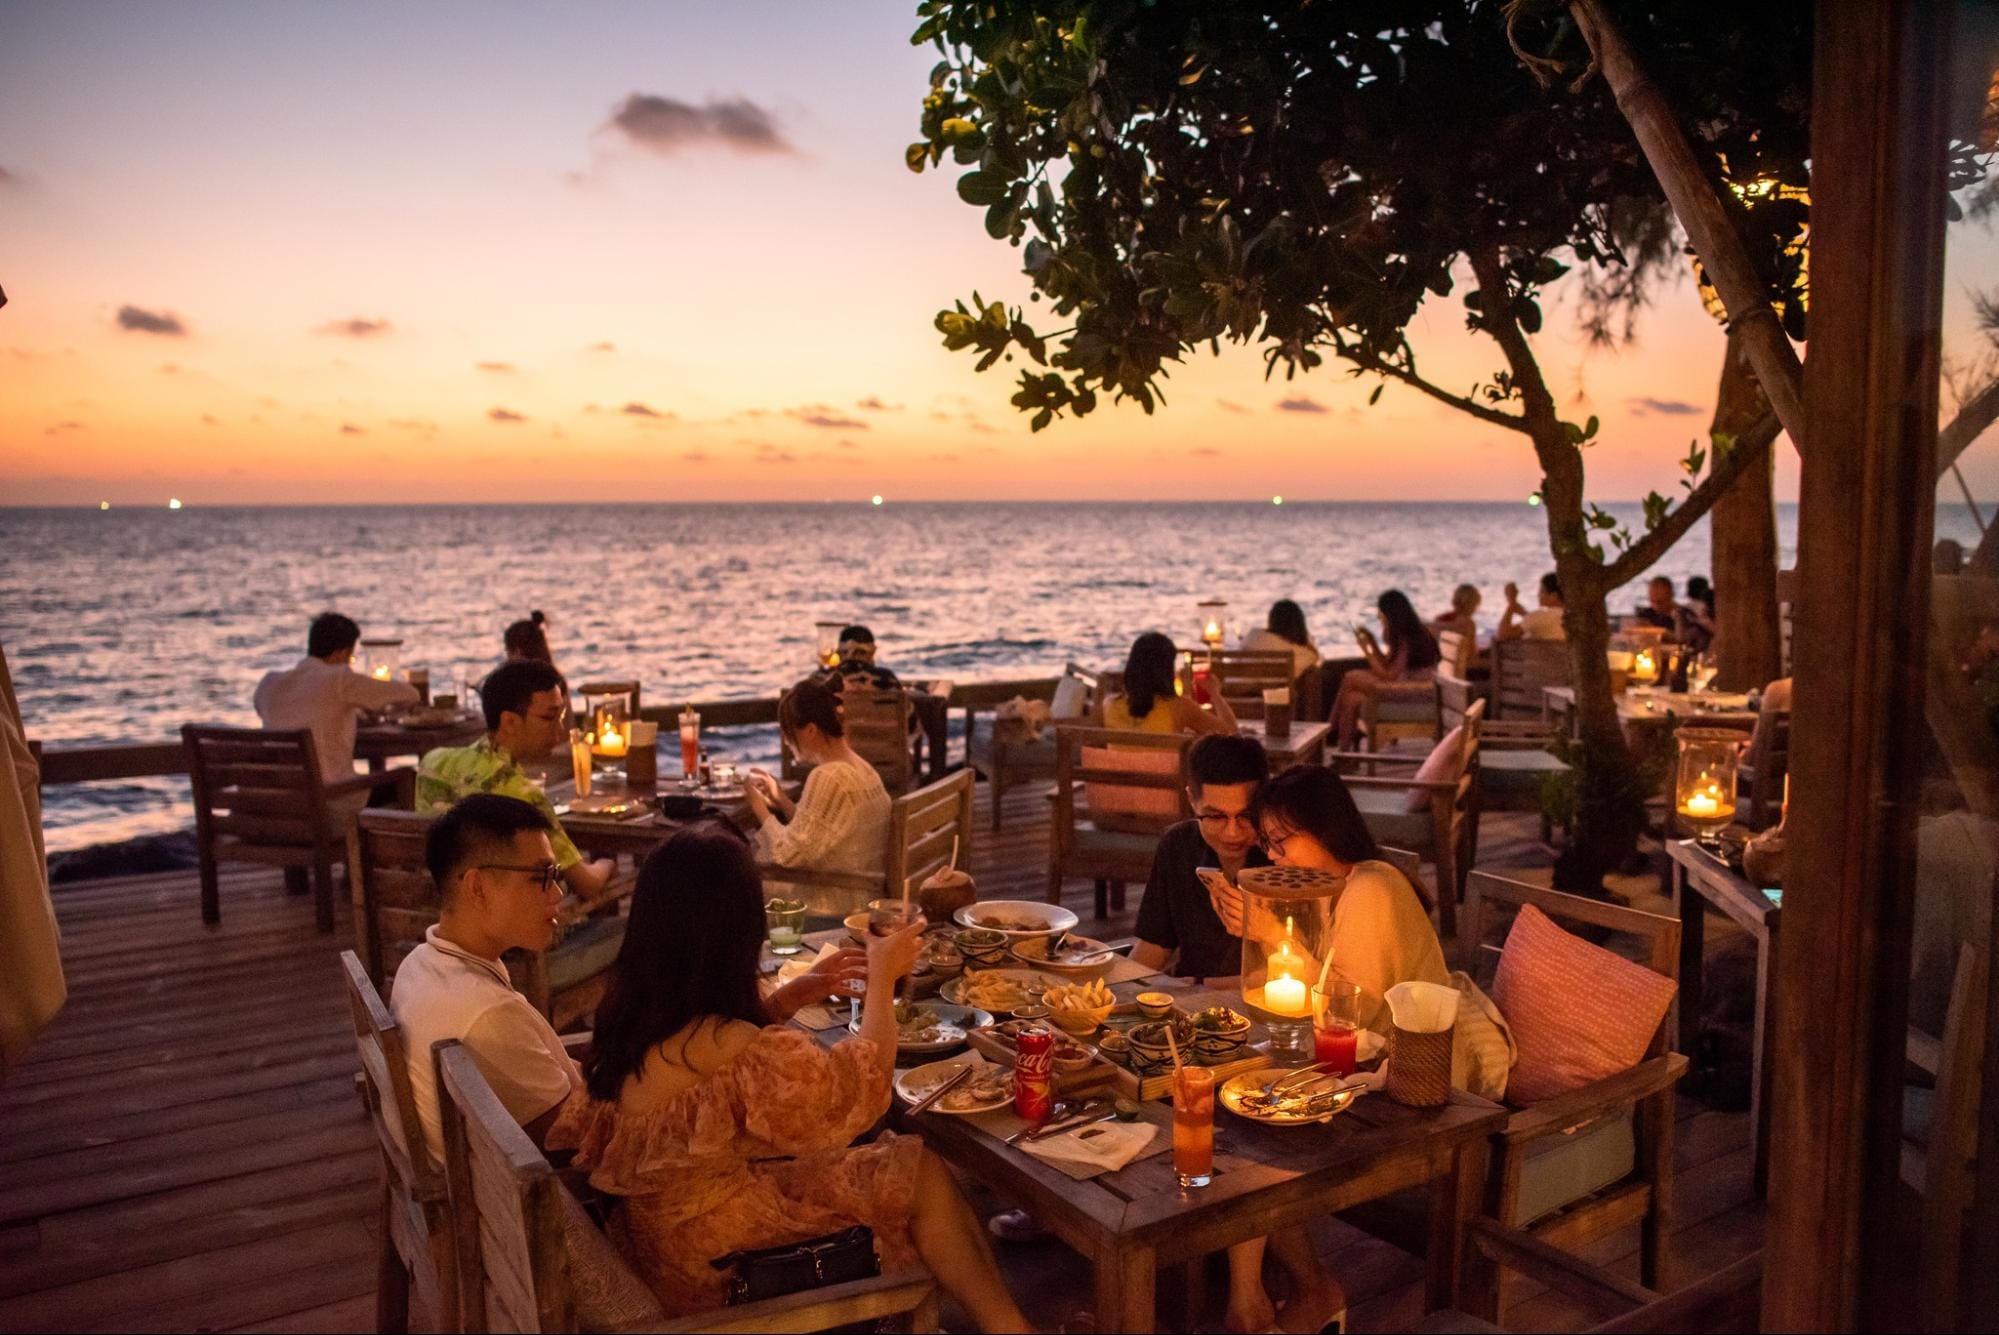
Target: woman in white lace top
(840,821)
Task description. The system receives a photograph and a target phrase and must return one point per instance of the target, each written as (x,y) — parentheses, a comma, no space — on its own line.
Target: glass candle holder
(381,659)
(1287,936)
(610,728)
(1214,622)
(1704,781)
(826,641)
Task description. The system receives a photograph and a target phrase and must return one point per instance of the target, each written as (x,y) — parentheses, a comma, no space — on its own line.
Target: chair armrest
(1602,1292)
(1565,1111)
(1377,757)
(837,880)
(1401,785)
(813,1309)
(402,776)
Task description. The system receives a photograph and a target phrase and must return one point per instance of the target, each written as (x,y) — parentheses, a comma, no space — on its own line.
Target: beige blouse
(841,823)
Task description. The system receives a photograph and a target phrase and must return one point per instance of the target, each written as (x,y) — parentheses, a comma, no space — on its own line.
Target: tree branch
(1978,412)
(1367,361)
(1497,320)
(1749,449)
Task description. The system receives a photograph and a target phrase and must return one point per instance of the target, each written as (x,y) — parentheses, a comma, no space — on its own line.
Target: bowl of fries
(1079,1008)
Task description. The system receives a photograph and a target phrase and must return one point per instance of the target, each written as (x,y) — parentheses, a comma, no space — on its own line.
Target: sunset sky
(289,253)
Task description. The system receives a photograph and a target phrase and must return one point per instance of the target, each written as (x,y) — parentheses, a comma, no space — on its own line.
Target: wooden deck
(183,1148)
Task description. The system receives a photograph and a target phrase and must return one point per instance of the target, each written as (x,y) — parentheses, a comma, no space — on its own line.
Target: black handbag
(773,1272)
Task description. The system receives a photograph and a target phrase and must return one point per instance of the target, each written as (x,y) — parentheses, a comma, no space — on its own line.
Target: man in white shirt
(1543,623)
(497,879)
(323,693)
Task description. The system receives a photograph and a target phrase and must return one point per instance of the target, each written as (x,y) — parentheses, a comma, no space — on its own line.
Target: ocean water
(122,625)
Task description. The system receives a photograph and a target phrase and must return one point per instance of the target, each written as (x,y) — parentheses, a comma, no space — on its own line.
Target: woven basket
(1419,1068)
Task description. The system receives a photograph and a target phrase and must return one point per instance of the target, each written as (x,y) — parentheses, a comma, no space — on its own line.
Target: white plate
(1232,1090)
(1096,968)
(960,1018)
(913,1084)
(1033,980)
(1053,917)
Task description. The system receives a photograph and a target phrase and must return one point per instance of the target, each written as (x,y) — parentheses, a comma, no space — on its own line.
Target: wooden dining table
(1304,743)
(383,740)
(1138,1221)
(1654,709)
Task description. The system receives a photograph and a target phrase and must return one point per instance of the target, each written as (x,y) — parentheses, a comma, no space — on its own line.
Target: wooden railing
(139,760)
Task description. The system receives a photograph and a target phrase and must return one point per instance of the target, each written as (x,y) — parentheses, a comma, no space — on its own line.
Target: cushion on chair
(1445,763)
(1579,1013)
(1559,1170)
(607,1292)
(585,952)
(1389,709)
(1506,778)
(1070,696)
(1386,811)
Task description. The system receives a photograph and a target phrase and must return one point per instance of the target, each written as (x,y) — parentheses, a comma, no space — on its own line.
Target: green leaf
(984,188)
(1375,397)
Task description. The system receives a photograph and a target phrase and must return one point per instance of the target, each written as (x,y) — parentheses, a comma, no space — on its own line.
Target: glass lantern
(826,638)
(1214,623)
(381,659)
(1286,940)
(1704,784)
(610,722)
(1645,666)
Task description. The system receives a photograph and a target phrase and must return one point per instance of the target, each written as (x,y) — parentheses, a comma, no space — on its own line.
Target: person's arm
(822,980)
(531,1082)
(889,958)
(588,880)
(364,692)
(1147,955)
(825,816)
(1371,650)
(1158,935)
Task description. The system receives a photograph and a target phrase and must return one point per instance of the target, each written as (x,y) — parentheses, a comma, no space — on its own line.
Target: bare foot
(1248,1320)
(1310,1309)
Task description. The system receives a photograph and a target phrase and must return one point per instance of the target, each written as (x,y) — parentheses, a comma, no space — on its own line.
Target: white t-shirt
(1265,641)
(1543,623)
(326,698)
(444,991)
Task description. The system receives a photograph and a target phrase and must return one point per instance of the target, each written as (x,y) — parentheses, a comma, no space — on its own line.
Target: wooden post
(1865,522)
(1742,535)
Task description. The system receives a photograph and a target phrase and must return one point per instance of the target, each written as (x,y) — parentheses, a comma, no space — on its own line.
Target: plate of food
(1070,955)
(999,990)
(930,1026)
(987,1088)
(1289,1096)
(1019,919)
(426,717)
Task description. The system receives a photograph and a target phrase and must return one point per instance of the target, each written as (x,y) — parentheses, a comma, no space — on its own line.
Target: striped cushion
(1578,1012)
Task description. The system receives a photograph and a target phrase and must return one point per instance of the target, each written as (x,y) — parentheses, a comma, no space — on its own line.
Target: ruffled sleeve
(783,1095)
(829,812)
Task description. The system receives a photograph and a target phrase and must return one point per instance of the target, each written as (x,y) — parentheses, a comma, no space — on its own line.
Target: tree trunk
(1743,541)
(1610,800)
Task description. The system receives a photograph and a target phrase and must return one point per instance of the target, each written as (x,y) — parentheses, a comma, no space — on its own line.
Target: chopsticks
(944,1086)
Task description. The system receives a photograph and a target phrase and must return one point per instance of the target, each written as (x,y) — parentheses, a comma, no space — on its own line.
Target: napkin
(1423,1008)
(1100,1147)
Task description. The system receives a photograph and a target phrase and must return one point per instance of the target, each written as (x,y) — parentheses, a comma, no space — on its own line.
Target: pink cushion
(1579,1013)
(1112,799)
(1446,761)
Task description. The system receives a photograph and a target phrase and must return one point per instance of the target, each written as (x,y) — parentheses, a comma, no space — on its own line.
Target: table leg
(1761,1052)
(1458,1275)
(1125,1279)
(1693,924)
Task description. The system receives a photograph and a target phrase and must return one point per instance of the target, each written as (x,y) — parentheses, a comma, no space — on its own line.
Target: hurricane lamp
(381,659)
(1287,942)
(1704,783)
(610,723)
(826,642)
(1214,622)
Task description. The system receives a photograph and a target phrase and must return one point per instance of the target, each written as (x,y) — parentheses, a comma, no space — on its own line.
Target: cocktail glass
(1194,1125)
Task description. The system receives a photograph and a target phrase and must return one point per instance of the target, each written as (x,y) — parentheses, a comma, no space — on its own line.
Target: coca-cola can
(1033,1076)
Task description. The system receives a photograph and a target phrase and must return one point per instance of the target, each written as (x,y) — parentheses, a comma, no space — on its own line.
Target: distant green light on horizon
(1534,498)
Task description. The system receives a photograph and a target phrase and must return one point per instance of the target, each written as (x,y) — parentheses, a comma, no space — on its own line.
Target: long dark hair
(1406,631)
(527,639)
(691,948)
(1148,673)
(1287,621)
(1314,800)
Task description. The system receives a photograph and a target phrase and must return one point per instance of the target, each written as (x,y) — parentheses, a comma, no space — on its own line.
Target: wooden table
(613,835)
(1304,744)
(379,743)
(1700,880)
(1652,710)
(1133,1222)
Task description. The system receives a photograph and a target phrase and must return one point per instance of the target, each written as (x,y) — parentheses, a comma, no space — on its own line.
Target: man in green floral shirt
(527,718)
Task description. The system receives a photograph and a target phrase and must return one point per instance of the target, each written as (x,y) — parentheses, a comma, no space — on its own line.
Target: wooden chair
(413,1234)
(923,827)
(1456,651)
(1516,761)
(1008,755)
(1764,769)
(520,1242)
(1398,711)
(1521,670)
(1943,1169)
(1243,675)
(395,901)
(260,797)
(1442,829)
(878,728)
(1112,848)
(1545,1148)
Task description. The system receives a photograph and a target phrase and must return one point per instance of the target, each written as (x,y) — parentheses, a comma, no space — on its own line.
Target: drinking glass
(889,917)
(1194,1125)
(1336,1025)
(724,774)
(579,761)
(786,921)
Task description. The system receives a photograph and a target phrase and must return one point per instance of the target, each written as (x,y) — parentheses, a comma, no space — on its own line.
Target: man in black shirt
(1178,929)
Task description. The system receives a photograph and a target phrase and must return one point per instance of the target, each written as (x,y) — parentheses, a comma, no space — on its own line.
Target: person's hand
(892,956)
(759,781)
(1512,594)
(753,797)
(841,973)
(1227,902)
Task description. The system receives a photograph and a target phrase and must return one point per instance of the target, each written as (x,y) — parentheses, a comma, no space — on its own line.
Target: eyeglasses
(1274,844)
(1222,820)
(544,873)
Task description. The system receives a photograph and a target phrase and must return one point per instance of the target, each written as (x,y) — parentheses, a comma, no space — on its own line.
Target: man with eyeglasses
(1179,930)
(527,718)
(498,886)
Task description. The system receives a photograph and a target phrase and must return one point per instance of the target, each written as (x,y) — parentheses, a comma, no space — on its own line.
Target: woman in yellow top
(1149,703)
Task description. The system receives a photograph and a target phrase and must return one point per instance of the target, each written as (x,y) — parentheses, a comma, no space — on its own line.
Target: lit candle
(382,672)
(1644,667)
(1285,995)
(610,742)
(1703,804)
(1212,632)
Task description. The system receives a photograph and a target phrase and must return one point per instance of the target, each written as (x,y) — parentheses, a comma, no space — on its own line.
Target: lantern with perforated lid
(1287,937)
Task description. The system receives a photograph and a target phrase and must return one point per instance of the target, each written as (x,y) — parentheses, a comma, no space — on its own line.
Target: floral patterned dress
(756,1155)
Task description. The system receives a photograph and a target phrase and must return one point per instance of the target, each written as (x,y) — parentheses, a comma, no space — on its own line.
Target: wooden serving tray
(1125,1082)
(994,1045)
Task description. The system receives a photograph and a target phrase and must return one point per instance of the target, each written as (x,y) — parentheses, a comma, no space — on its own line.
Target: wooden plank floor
(183,1148)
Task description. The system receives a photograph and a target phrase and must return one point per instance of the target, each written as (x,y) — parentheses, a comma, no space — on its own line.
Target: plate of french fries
(1079,1008)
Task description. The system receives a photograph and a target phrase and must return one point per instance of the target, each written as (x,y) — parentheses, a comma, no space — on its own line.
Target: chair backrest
(1243,675)
(394,897)
(513,1268)
(1521,669)
(628,689)
(1092,687)
(926,827)
(1454,696)
(1491,901)
(1770,748)
(878,730)
(385,1087)
(1455,651)
(1107,779)
(257,786)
